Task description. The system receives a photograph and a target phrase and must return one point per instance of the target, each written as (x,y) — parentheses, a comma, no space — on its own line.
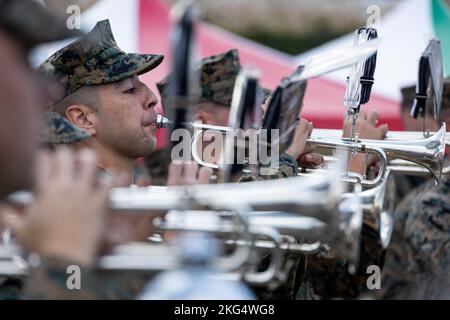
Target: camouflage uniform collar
(58,130)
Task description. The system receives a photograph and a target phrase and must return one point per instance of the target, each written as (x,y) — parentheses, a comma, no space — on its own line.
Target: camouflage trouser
(284,289)
(418,258)
(325,275)
(287,167)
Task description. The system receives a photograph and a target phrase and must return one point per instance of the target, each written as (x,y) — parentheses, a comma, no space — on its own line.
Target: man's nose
(150,99)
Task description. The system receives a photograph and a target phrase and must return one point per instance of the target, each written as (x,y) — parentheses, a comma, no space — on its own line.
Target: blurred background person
(418,259)
(218,74)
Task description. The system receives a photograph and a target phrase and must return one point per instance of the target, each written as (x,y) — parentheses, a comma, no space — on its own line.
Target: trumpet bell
(428,152)
(378,206)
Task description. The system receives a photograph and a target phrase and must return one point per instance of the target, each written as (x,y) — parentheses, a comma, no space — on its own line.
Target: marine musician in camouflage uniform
(212,104)
(418,259)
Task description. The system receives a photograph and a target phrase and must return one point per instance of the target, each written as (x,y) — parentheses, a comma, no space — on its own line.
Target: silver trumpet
(425,153)
(428,153)
(343,233)
(276,195)
(162,122)
(391,135)
(378,205)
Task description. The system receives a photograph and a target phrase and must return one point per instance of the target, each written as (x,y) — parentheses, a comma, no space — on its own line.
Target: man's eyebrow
(132,78)
(121,82)
(118,84)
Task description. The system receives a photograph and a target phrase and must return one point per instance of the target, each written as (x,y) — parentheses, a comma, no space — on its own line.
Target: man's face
(126,117)
(411,124)
(212,113)
(19,116)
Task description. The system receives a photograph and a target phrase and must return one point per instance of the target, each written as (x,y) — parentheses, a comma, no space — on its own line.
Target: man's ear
(82,116)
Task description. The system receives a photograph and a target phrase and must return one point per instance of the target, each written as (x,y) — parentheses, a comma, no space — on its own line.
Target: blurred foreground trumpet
(266,211)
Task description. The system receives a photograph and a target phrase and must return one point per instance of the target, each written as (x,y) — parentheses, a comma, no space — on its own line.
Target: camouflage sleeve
(287,167)
(50,280)
(326,276)
(418,258)
(397,279)
(427,231)
(283,287)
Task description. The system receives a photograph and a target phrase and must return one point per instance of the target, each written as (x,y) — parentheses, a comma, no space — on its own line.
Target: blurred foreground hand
(67,217)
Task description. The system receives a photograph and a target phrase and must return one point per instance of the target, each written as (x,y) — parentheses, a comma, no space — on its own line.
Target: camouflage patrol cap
(95,59)
(32,23)
(56,129)
(217,77)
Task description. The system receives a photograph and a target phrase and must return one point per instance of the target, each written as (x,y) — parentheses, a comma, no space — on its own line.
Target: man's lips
(150,121)
(149,126)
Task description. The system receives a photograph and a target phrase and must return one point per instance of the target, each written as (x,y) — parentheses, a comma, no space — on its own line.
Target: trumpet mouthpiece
(162,122)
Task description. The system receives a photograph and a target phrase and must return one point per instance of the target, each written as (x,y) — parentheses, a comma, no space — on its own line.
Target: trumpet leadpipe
(289,224)
(343,233)
(391,135)
(162,122)
(298,195)
(286,247)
